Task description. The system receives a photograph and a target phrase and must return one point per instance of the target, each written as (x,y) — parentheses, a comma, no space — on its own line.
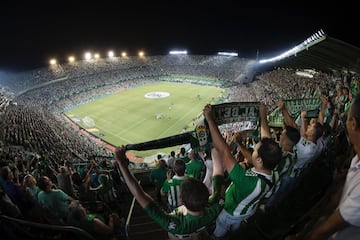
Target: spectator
(299,156)
(289,137)
(182,155)
(95,224)
(310,145)
(171,160)
(248,186)
(190,220)
(83,185)
(53,199)
(64,181)
(158,177)
(284,170)
(106,191)
(31,187)
(344,222)
(194,167)
(13,189)
(171,186)
(7,206)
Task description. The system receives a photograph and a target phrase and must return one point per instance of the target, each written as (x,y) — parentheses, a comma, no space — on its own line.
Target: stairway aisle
(141,226)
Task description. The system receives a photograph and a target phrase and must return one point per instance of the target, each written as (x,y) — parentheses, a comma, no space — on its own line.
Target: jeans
(227,223)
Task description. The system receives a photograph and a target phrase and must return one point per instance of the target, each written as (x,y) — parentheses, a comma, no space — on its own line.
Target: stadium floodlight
(141,54)
(111,54)
(96,56)
(177,52)
(88,56)
(231,54)
(123,54)
(310,41)
(71,59)
(52,61)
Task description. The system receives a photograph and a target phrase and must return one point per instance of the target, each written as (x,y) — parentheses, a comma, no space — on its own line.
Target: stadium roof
(328,55)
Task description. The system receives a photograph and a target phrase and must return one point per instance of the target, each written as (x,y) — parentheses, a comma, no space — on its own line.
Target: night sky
(31,35)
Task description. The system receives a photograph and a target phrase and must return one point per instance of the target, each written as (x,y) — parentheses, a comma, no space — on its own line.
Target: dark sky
(31,35)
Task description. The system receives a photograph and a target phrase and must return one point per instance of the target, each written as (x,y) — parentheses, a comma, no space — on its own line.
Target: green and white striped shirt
(245,191)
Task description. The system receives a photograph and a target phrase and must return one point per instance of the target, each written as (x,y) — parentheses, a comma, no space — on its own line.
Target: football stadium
(62,123)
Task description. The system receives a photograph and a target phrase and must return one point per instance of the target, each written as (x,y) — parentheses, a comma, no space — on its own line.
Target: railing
(14,227)
(129,216)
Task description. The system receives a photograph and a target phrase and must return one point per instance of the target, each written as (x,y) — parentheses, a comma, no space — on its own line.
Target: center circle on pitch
(155,95)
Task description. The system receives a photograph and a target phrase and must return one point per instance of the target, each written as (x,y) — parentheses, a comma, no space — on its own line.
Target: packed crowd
(50,168)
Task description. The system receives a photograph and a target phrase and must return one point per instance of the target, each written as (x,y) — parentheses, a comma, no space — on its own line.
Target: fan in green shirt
(171,186)
(194,166)
(158,177)
(198,211)
(248,186)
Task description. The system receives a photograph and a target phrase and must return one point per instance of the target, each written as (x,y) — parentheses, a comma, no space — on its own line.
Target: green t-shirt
(56,201)
(245,191)
(172,188)
(158,176)
(179,222)
(33,192)
(193,168)
(88,225)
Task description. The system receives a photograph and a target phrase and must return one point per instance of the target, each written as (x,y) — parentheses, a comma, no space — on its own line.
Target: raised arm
(137,191)
(218,140)
(303,123)
(218,169)
(289,121)
(321,116)
(264,125)
(218,176)
(242,148)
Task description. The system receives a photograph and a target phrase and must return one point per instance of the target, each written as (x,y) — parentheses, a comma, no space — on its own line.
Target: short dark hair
(162,163)
(5,172)
(194,194)
(179,167)
(42,183)
(182,150)
(270,153)
(293,134)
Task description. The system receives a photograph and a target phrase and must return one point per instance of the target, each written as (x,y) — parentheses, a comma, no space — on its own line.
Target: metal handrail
(129,216)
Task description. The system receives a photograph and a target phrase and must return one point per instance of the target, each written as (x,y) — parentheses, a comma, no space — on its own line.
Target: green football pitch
(145,113)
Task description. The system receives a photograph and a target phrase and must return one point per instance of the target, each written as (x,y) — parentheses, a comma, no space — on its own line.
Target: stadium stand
(36,137)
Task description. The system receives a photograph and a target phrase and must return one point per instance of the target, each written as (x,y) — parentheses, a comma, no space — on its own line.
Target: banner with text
(295,106)
(236,112)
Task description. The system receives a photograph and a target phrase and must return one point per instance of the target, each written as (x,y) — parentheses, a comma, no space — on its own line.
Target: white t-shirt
(308,151)
(350,203)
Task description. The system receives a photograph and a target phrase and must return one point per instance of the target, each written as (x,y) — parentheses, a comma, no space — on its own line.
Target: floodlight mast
(310,41)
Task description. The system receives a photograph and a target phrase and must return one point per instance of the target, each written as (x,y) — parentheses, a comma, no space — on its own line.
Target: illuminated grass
(130,117)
